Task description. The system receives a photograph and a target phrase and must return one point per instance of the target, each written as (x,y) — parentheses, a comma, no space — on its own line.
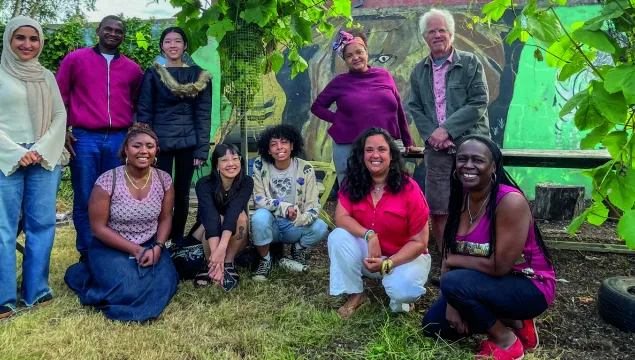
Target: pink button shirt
(395,219)
(439,72)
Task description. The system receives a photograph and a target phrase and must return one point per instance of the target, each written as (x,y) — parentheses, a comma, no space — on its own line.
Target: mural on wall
(525,96)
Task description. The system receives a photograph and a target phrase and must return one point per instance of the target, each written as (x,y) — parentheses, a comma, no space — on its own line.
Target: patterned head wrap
(345,39)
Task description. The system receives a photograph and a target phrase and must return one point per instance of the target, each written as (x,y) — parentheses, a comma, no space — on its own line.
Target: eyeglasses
(226,160)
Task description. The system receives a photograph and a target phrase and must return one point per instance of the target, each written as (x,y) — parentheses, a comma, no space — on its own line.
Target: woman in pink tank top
(496,275)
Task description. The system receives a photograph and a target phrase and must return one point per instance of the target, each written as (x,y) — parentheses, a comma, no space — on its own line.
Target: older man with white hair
(448,100)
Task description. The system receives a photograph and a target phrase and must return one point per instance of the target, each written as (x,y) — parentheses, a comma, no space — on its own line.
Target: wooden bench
(564,159)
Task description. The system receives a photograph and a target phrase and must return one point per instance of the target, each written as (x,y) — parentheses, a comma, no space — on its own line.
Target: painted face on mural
(280,149)
(229,165)
(438,37)
(377,155)
(25,43)
(474,165)
(173,46)
(356,57)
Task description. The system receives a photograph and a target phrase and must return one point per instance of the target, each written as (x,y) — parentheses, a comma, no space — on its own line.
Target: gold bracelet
(389,266)
(384,264)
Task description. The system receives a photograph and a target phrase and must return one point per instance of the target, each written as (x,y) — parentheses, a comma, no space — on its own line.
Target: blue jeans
(265,229)
(481,300)
(96,154)
(33,189)
(341,152)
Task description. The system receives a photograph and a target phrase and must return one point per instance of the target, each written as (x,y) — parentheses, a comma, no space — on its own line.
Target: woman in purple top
(365,97)
(496,275)
(129,273)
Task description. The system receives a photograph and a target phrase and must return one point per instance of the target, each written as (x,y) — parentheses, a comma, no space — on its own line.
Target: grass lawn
(290,317)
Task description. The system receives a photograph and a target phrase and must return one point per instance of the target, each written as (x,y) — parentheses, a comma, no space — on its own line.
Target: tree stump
(558,202)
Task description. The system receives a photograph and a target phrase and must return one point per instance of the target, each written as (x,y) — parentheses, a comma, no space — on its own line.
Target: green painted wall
(533,121)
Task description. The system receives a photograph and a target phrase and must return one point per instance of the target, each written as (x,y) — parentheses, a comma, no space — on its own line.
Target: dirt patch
(572,327)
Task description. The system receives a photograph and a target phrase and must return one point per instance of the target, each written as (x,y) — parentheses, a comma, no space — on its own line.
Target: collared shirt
(395,219)
(439,73)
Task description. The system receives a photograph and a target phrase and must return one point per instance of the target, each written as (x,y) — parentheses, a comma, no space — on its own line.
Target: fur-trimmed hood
(183,90)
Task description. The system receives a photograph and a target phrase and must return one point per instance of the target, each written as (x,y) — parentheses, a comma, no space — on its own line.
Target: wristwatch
(160,245)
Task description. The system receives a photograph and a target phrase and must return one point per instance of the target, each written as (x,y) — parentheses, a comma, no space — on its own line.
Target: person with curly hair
(373,87)
(129,274)
(382,227)
(286,197)
(496,275)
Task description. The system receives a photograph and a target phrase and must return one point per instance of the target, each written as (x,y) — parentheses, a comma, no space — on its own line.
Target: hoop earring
(155,162)
(494,178)
(126,160)
(454,176)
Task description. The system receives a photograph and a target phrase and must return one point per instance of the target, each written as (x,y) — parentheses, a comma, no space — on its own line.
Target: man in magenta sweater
(100,88)
(448,100)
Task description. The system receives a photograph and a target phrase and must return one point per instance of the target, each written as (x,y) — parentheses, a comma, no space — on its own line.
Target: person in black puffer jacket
(176,102)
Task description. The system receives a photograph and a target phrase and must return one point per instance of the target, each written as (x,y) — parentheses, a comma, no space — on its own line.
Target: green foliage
(606,107)
(251,35)
(62,40)
(140,45)
(45,11)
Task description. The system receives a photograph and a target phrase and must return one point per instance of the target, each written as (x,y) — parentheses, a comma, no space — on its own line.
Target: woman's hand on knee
(454,319)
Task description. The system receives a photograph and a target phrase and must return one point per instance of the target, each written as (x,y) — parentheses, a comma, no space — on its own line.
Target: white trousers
(346,253)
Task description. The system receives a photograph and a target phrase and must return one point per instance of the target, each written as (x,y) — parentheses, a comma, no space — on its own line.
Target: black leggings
(182,181)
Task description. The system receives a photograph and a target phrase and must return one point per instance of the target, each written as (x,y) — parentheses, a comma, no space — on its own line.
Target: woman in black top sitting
(222,222)
(176,102)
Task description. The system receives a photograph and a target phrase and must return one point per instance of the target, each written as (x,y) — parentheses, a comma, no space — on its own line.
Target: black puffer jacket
(177,104)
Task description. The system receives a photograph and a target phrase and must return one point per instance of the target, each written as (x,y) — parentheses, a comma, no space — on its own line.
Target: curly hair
(136,129)
(283,131)
(357,180)
(458,199)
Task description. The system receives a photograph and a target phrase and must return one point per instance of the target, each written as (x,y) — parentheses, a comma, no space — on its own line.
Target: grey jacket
(466,97)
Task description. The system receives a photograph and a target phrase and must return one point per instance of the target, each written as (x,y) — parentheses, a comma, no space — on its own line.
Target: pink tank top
(532,261)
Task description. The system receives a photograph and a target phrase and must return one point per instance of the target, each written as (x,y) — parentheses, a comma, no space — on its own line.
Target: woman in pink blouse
(382,227)
(129,273)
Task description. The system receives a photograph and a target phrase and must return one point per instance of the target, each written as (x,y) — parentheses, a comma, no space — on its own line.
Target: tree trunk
(17,7)
(558,202)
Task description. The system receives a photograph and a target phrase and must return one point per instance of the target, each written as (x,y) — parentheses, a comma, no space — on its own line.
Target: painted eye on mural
(384,58)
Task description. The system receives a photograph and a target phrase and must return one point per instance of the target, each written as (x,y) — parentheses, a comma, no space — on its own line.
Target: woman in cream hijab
(32,128)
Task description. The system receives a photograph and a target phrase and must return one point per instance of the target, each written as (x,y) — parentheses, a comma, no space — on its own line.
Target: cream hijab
(31,73)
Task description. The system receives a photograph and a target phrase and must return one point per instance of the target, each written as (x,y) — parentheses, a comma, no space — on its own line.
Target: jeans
(403,286)
(341,152)
(96,153)
(265,229)
(183,161)
(33,189)
(481,300)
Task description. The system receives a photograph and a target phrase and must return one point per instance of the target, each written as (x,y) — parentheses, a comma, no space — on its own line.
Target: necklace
(378,188)
(125,171)
(472,218)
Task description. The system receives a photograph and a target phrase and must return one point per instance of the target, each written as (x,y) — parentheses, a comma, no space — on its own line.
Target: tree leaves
(595,39)
(587,117)
(614,142)
(495,9)
(611,106)
(577,63)
(626,228)
(544,27)
(298,63)
(302,27)
(220,28)
(598,213)
(260,12)
(590,141)
(622,78)
(277,60)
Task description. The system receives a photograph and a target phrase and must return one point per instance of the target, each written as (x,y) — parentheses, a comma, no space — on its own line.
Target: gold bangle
(389,265)
(383,267)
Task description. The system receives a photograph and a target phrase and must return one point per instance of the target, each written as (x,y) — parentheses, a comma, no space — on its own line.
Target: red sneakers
(528,335)
(491,351)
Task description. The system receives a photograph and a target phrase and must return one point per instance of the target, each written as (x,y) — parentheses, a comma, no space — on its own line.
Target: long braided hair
(458,201)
